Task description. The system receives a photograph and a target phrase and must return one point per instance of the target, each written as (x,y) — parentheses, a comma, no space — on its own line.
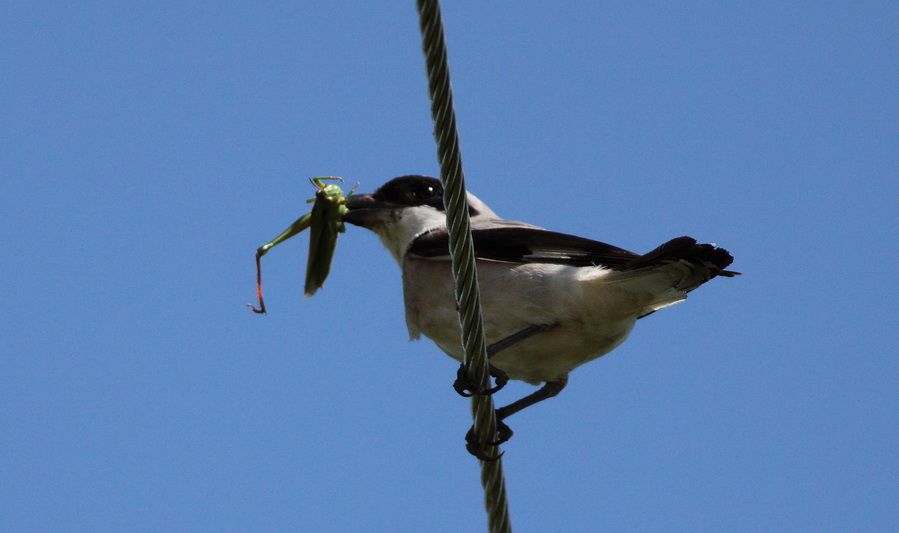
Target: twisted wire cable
(463,261)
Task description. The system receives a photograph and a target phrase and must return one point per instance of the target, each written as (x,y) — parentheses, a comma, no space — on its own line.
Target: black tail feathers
(686,249)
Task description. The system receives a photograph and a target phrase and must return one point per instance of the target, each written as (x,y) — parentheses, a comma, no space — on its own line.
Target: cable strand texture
(462,253)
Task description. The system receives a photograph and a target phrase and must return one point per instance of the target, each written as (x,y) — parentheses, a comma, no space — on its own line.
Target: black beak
(364,210)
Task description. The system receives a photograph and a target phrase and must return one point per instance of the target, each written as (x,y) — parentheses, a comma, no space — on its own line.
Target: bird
(550,301)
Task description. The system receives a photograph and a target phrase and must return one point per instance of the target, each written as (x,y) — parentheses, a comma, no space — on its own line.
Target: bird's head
(404,208)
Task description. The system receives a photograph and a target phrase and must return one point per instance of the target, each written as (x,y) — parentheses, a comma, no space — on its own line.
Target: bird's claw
(464,386)
(478,449)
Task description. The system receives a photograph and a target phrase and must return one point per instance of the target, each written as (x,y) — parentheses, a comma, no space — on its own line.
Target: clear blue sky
(146,151)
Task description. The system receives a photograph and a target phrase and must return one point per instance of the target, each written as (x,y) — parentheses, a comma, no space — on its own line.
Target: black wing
(526,244)
(516,242)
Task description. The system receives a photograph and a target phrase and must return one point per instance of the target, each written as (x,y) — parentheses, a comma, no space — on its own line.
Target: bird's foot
(465,387)
(479,449)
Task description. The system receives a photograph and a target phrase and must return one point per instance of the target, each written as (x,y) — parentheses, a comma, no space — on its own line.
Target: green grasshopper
(325,221)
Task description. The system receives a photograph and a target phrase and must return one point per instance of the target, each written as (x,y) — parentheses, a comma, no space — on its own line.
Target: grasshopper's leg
(299,225)
(319,181)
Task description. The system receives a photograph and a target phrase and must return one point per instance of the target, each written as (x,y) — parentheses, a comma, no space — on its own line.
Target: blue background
(147,150)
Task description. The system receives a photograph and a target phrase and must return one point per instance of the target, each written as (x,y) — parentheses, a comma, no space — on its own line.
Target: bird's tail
(665,275)
(707,256)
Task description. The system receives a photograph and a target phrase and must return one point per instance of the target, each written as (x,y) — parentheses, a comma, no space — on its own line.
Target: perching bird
(551,302)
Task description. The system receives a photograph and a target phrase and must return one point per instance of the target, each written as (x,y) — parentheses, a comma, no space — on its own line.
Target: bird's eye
(425,193)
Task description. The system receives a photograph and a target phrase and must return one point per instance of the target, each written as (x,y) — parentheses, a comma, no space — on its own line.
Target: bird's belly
(549,354)
(570,340)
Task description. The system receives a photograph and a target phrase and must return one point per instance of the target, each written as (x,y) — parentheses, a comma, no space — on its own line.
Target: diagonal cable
(462,252)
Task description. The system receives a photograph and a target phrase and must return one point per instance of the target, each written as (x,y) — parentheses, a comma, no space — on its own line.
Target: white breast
(514,297)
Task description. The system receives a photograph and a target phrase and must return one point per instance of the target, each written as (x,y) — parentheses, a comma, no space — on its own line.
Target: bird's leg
(463,384)
(548,390)
(464,387)
(503,431)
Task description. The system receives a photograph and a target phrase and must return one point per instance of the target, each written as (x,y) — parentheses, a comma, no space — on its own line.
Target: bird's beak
(366,211)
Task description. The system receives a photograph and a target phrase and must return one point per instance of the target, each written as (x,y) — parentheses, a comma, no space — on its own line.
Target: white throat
(408,223)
